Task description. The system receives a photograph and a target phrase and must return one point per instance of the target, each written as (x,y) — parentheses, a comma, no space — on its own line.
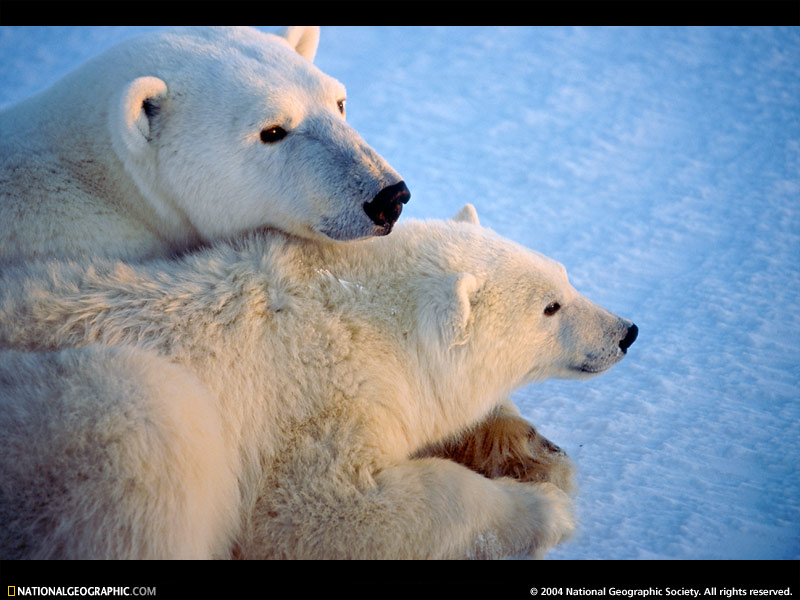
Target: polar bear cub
(181,137)
(267,398)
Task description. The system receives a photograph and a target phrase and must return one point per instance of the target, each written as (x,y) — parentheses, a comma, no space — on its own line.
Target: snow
(662,167)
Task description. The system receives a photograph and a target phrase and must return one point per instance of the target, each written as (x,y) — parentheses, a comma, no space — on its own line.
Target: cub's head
(231,129)
(509,313)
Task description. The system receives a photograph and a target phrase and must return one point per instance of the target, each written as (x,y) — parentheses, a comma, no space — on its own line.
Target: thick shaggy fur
(111,452)
(271,398)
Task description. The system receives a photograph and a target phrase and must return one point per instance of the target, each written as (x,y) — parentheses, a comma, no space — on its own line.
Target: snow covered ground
(662,167)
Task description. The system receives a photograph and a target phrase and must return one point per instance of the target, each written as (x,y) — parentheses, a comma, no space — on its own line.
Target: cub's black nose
(385,208)
(626,342)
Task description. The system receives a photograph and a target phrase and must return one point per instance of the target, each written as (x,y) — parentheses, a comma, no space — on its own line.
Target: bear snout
(385,208)
(630,337)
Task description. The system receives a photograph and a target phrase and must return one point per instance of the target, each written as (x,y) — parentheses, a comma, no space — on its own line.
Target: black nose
(385,208)
(633,331)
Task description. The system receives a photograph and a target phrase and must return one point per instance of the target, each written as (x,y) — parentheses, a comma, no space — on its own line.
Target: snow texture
(662,167)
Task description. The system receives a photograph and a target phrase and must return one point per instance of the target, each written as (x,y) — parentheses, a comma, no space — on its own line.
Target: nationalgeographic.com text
(72,591)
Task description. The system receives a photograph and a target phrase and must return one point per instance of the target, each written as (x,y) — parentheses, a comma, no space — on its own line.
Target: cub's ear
(132,113)
(304,39)
(447,310)
(468,214)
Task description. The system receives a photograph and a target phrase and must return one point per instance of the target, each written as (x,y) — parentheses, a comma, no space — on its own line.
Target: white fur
(154,147)
(324,368)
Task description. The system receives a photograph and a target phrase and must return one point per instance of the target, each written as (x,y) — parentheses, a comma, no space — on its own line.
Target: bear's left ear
(468,214)
(131,114)
(304,39)
(449,309)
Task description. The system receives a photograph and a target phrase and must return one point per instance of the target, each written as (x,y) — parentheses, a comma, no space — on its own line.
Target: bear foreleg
(425,508)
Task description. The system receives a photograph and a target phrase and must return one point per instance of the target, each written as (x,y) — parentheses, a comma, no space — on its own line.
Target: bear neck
(64,130)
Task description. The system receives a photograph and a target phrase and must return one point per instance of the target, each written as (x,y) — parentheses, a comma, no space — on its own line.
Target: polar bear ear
(449,310)
(468,214)
(304,39)
(132,115)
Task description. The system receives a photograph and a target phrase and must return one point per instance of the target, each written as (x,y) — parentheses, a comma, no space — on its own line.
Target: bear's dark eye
(340,104)
(270,135)
(552,309)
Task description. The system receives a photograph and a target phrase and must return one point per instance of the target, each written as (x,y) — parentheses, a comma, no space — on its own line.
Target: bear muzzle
(600,361)
(385,208)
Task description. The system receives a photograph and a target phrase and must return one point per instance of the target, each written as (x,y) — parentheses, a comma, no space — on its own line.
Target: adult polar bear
(270,398)
(185,136)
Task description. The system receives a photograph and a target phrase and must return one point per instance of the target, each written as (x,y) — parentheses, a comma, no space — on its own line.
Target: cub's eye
(270,135)
(552,309)
(340,104)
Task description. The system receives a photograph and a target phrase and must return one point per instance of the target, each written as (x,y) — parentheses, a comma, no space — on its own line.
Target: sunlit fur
(503,444)
(327,368)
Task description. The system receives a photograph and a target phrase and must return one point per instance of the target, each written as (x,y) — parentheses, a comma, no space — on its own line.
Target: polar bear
(181,137)
(272,397)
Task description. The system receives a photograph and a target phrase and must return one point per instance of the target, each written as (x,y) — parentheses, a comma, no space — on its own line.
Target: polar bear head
(499,316)
(229,129)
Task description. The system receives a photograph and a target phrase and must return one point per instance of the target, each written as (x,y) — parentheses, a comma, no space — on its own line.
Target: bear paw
(506,445)
(553,519)
(539,518)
